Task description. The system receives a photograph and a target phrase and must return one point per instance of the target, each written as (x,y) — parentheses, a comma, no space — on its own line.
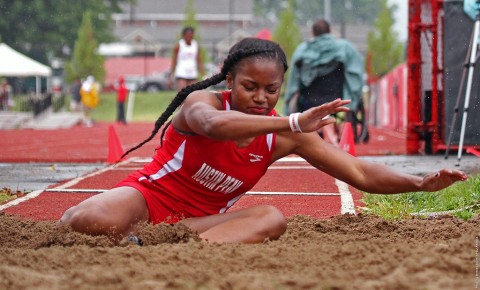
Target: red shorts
(159,209)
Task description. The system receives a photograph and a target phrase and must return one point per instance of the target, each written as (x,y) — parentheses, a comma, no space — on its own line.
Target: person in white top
(186,61)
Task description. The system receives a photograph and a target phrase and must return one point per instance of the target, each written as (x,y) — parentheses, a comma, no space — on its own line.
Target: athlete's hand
(442,179)
(315,118)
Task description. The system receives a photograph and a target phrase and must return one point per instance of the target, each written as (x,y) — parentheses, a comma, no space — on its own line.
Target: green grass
(147,106)
(463,198)
(7,194)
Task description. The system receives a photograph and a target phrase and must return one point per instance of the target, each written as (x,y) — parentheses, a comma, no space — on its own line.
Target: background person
(218,145)
(76,102)
(122,93)
(6,95)
(186,61)
(324,68)
(89,97)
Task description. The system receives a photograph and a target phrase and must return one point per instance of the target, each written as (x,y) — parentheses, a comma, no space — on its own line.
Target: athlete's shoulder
(205,96)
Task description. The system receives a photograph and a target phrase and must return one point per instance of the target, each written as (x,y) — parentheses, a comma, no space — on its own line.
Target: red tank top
(200,176)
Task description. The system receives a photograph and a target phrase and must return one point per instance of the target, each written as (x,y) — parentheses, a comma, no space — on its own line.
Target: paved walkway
(14,120)
(46,121)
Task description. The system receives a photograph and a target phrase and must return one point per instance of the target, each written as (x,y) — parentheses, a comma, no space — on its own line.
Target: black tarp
(458,27)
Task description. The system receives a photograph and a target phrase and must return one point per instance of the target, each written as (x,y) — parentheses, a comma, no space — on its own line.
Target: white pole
(327,10)
(131,102)
(469,86)
(37,85)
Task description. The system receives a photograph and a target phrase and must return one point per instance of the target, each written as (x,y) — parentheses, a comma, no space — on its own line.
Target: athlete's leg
(250,225)
(180,84)
(114,213)
(191,81)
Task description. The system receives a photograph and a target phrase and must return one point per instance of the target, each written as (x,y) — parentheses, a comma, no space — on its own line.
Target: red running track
(290,184)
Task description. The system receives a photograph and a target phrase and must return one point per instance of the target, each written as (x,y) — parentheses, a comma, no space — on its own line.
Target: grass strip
(7,194)
(461,199)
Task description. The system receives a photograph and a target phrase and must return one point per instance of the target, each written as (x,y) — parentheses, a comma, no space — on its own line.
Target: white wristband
(293,122)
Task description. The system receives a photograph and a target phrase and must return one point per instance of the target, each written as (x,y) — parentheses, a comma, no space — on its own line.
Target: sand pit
(346,252)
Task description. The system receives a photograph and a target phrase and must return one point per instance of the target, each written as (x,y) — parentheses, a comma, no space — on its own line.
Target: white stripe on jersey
(269,141)
(172,165)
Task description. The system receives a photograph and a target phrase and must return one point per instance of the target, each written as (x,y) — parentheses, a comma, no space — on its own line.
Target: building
(152,27)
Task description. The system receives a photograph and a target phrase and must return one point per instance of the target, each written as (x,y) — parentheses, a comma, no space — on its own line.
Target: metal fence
(39,103)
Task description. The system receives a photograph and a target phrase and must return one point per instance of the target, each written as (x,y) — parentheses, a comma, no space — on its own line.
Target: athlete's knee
(275,220)
(85,219)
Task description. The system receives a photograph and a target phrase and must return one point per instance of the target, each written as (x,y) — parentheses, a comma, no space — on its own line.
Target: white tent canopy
(15,64)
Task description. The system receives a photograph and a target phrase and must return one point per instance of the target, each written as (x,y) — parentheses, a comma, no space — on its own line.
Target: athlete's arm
(363,175)
(202,114)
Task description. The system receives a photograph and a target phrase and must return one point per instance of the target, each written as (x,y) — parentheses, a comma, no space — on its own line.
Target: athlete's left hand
(442,179)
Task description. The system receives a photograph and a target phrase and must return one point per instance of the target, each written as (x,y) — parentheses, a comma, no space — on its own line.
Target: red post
(414,85)
(436,126)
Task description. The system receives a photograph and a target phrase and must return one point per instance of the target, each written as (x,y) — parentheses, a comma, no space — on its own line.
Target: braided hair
(246,48)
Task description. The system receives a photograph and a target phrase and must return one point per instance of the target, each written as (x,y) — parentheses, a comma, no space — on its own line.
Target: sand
(345,252)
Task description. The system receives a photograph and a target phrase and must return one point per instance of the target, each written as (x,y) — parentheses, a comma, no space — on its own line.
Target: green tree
(383,46)
(85,60)
(43,28)
(190,20)
(287,33)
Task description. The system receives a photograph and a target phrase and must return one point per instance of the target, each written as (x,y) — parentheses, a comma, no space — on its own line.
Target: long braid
(248,47)
(216,79)
(174,104)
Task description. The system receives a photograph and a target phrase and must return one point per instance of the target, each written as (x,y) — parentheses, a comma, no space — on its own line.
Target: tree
(85,60)
(43,28)
(383,46)
(287,33)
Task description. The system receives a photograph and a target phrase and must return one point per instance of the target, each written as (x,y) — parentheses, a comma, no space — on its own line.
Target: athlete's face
(256,85)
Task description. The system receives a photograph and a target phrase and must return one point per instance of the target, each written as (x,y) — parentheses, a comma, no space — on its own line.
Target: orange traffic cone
(115,150)
(347,142)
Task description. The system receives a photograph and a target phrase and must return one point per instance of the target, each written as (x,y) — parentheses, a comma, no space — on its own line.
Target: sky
(401,18)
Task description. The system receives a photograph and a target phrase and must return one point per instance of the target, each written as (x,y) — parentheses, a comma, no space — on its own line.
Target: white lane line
(140,160)
(71,190)
(346,198)
(273,167)
(80,178)
(292,193)
(284,159)
(291,159)
(31,195)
